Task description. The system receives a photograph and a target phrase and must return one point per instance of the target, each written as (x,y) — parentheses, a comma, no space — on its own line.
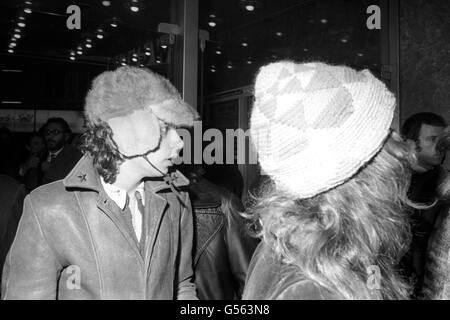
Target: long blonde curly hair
(335,236)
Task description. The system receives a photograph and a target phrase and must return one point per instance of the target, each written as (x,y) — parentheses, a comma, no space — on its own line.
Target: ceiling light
(212,24)
(323,21)
(147,53)
(10,50)
(72,58)
(212,15)
(28,2)
(17,30)
(305,49)
(106,3)
(360,54)
(250,5)
(21,25)
(27,10)
(12,44)
(88,40)
(279,33)
(21,18)
(134,59)
(244,44)
(158,61)
(164,46)
(133,5)
(123,63)
(218,51)
(344,40)
(17,36)
(212,70)
(72,53)
(79,52)
(11,102)
(249,61)
(88,45)
(99,36)
(113,24)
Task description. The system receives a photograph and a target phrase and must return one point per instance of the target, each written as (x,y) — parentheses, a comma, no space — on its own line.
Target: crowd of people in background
(340,192)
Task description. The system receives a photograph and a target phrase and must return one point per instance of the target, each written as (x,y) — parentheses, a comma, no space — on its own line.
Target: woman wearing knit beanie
(332,220)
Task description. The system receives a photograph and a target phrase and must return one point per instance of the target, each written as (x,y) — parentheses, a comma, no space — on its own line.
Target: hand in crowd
(31,163)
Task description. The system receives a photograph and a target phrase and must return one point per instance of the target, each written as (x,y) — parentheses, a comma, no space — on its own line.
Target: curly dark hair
(97,142)
(412,125)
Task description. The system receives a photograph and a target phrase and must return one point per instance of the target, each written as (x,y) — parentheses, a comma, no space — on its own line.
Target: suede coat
(73,243)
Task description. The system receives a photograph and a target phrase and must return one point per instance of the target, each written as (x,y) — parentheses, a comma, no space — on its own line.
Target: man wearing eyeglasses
(119,226)
(61,157)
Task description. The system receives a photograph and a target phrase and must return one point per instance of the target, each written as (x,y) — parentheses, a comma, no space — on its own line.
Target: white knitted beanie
(314,125)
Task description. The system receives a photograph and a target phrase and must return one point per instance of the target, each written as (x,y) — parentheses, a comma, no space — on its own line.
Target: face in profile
(427,154)
(170,147)
(55,136)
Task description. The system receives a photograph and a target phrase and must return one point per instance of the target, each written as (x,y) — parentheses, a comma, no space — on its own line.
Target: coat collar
(84,176)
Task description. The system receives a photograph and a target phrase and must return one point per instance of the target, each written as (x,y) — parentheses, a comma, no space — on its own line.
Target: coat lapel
(83,176)
(114,213)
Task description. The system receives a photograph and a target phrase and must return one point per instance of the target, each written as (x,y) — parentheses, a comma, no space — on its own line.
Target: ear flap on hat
(136,133)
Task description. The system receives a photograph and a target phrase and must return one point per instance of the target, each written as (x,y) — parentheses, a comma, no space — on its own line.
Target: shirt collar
(119,195)
(55,153)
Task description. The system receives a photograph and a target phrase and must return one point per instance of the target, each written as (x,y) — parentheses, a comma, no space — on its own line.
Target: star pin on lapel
(82,177)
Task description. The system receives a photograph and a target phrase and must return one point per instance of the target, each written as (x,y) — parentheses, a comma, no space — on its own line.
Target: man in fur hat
(118,226)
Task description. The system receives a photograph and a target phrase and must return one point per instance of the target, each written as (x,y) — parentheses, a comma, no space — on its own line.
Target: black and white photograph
(225,152)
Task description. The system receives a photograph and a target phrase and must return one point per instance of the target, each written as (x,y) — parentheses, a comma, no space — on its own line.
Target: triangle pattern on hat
(323,80)
(316,102)
(284,74)
(268,108)
(273,90)
(300,68)
(285,102)
(293,86)
(294,116)
(337,111)
(305,78)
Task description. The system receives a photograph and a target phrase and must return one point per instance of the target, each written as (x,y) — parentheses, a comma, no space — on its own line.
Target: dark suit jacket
(12,194)
(62,164)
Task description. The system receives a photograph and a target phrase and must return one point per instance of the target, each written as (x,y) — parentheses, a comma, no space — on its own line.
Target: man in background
(222,245)
(421,132)
(61,157)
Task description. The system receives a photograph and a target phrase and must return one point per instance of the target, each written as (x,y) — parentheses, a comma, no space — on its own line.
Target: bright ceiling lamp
(250,5)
